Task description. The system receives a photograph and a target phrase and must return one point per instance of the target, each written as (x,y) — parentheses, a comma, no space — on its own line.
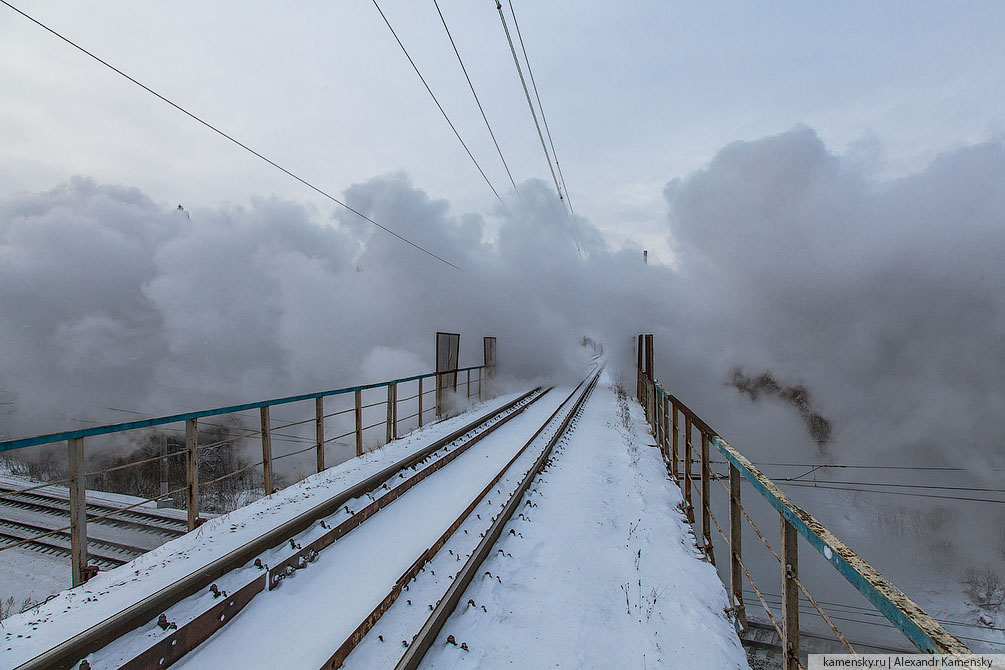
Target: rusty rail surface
(662,409)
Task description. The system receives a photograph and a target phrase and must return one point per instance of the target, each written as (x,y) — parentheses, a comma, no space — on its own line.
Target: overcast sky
(826,180)
(636,94)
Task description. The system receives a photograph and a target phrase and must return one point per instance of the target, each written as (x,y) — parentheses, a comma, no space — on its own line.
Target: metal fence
(685,440)
(377,413)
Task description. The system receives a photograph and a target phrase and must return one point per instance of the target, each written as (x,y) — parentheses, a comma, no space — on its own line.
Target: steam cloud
(887,298)
(795,395)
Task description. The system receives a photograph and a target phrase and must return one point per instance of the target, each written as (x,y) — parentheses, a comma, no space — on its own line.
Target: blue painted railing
(661,409)
(19,443)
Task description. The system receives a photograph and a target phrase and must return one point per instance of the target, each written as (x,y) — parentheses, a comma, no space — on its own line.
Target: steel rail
(57,534)
(417,649)
(41,546)
(64,655)
(349,644)
(144,521)
(187,637)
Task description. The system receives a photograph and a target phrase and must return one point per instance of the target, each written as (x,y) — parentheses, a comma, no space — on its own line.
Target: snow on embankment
(602,571)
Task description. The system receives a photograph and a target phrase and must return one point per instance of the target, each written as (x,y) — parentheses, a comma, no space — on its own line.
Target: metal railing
(421,409)
(680,450)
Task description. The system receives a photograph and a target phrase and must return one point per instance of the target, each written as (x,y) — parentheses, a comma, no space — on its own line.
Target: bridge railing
(377,413)
(685,440)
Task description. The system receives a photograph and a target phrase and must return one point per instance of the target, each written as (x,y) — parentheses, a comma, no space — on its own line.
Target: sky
(819,188)
(635,94)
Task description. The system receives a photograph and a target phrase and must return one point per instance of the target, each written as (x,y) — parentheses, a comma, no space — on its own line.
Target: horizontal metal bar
(20,443)
(920,628)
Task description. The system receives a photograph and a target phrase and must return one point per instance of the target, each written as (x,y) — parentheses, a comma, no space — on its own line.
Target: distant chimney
(645,256)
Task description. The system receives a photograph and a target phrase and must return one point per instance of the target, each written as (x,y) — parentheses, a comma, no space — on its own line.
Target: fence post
(468,392)
(266,450)
(706,511)
(78,511)
(665,422)
(481,371)
(736,548)
(192,472)
(790,596)
(638,369)
(439,393)
(420,402)
(394,416)
(319,430)
(674,438)
(390,413)
(687,468)
(359,422)
(655,421)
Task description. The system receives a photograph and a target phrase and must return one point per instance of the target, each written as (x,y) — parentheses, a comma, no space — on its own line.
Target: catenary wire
(479,103)
(860,467)
(231,138)
(533,113)
(440,107)
(544,118)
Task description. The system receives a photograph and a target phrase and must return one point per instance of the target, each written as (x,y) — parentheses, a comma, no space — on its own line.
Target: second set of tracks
(188,618)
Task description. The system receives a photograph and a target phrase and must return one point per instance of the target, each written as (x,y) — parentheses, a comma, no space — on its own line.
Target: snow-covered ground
(26,635)
(603,571)
(600,569)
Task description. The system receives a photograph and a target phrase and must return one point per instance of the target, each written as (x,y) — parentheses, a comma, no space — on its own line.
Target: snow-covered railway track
(52,504)
(392,562)
(105,554)
(288,547)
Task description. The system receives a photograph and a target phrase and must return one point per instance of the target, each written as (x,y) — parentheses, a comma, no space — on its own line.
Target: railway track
(112,541)
(453,547)
(261,564)
(53,504)
(106,554)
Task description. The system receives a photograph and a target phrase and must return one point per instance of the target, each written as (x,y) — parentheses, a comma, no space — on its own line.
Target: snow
(600,570)
(603,572)
(75,610)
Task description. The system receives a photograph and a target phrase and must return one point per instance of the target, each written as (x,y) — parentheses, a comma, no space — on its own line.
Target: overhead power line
(547,130)
(533,113)
(526,92)
(231,138)
(478,102)
(440,107)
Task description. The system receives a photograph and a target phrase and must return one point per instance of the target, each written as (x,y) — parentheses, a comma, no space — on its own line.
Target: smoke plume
(795,395)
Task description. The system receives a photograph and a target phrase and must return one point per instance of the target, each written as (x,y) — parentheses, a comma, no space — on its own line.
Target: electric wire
(533,113)
(544,118)
(826,484)
(231,138)
(861,467)
(897,493)
(479,103)
(439,106)
(879,619)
